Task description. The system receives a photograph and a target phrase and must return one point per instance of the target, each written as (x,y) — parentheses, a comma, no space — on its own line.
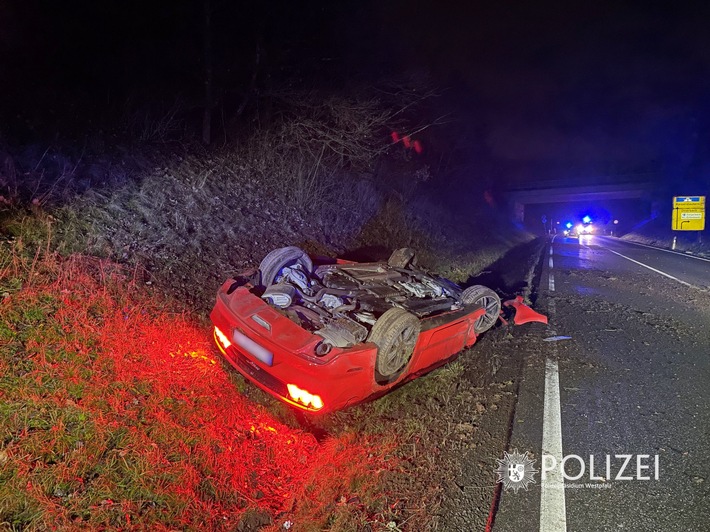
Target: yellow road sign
(688,213)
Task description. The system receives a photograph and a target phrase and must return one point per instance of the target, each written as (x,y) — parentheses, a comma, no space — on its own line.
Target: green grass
(115,410)
(116,414)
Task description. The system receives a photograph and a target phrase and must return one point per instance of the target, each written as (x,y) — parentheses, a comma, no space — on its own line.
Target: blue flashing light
(568,225)
(586,219)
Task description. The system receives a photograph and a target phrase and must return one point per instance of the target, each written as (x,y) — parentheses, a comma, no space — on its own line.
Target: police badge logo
(515,471)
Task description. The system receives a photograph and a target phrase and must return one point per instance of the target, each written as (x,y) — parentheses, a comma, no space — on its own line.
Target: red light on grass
(222,338)
(305,398)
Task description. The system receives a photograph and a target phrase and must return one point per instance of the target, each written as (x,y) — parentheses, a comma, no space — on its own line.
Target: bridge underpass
(560,192)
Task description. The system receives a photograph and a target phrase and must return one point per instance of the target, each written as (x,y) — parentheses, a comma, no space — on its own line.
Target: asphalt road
(633,378)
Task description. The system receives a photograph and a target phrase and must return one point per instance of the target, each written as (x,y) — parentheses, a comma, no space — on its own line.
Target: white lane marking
(553,515)
(654,269)
(550,275)
(661,249)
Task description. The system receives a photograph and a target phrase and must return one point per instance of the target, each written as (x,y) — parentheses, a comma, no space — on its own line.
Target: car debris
(556,338)
(523,313)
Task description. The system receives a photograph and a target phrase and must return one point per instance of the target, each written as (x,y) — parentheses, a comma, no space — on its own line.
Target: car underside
(342,302)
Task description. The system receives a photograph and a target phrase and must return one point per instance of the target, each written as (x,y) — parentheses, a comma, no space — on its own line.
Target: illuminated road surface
(634,379)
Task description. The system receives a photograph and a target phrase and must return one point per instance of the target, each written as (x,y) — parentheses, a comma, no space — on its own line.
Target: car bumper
(339,379)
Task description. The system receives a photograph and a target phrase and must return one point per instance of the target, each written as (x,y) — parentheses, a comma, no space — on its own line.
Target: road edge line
(553,514)
(689,255)
(655,270)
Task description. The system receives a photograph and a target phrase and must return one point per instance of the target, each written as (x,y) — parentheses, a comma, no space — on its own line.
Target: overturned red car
(324,334)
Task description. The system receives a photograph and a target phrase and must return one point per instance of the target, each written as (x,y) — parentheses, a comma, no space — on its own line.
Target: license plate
(250,346)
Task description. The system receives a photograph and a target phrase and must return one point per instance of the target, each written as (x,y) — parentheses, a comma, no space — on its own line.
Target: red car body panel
(343,377)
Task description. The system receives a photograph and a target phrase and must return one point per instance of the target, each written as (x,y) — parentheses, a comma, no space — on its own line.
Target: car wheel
(395,333)
(278,259)
(402,258)
(484,297)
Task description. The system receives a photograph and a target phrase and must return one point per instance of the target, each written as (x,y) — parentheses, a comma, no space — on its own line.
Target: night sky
(531,90)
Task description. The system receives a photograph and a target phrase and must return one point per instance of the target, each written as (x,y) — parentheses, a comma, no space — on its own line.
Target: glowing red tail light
(305,398)
(222,338)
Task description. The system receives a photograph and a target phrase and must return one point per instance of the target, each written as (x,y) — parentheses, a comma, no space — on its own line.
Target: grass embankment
(115,413)
(118,413)
(115,410)
(194,221)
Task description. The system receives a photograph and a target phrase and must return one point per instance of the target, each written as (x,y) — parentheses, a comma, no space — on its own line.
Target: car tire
(402,258)
(395,333)
(484,297)
(278,259)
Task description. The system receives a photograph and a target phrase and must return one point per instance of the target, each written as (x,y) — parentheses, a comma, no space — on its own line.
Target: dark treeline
(528,92)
